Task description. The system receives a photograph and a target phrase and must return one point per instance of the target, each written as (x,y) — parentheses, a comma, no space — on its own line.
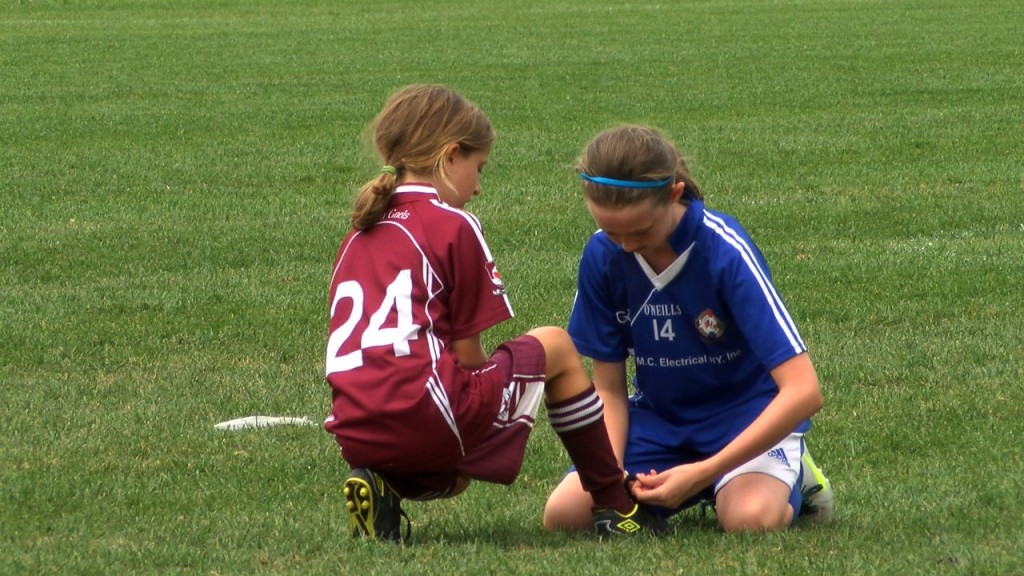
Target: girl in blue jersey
(724,387)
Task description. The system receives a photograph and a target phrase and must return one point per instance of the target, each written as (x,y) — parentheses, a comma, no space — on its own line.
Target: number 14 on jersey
(665,332)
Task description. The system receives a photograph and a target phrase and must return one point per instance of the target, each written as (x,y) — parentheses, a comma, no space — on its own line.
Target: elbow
(815,401)
(818,403)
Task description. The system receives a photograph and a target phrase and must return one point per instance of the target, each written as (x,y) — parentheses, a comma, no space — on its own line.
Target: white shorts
(782,462)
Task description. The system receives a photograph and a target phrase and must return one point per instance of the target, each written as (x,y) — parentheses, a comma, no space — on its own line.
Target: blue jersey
(703,334)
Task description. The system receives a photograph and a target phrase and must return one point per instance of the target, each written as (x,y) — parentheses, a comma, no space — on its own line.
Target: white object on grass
(263,422)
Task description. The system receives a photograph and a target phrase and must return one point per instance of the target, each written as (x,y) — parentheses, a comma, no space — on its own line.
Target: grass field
(175,177)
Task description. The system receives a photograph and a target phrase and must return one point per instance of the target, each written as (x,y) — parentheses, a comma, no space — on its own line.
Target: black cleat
(610,523)
(374,509)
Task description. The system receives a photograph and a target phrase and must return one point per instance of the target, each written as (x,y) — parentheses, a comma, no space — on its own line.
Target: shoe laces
(408,525)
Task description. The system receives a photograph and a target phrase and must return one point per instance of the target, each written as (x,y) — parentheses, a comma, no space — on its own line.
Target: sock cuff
(576,412)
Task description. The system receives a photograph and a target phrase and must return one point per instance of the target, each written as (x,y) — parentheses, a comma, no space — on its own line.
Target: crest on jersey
(492,271)
(710,327)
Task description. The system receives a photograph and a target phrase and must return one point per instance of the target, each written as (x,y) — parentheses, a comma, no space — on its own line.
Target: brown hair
(412,132)
(636,154)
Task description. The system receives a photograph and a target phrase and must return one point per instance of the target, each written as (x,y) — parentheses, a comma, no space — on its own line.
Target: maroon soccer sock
(579,423)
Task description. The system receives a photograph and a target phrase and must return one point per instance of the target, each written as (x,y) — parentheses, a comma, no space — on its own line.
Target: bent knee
(554,339)
(553,515)
(754,516)
(559,515)
(568,507)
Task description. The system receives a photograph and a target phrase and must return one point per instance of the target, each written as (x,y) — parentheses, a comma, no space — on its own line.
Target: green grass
(174,181)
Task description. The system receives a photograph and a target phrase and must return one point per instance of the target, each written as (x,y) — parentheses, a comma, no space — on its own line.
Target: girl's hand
(670,488)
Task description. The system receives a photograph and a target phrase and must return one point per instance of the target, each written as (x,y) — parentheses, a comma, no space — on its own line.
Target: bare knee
(753,515)
(555,514)
(754,503)
(751,523)
(568,507)
(557,343)
(564,374)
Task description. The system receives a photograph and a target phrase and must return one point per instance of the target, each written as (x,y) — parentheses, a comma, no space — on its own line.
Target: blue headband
(626,183)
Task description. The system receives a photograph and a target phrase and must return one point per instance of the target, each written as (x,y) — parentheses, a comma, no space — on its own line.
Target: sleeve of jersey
(478,299)
(594,323)
(757,308)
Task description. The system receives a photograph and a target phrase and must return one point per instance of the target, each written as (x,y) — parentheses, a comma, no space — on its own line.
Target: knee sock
(579,423)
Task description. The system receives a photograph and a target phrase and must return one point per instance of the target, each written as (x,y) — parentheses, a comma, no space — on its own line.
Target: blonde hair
(412,133)
(636,154)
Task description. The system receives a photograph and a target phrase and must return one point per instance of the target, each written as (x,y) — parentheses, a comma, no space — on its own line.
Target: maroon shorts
(496,455)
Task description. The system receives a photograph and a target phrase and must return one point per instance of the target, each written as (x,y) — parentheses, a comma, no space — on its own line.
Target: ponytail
(373,199)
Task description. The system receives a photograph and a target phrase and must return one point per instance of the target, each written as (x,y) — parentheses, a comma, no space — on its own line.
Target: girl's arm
(469,352)
(799,398)
(610,381)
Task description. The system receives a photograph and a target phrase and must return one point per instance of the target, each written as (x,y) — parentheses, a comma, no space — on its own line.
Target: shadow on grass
(444,532)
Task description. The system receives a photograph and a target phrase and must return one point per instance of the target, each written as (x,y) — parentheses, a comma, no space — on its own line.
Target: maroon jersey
(402,291)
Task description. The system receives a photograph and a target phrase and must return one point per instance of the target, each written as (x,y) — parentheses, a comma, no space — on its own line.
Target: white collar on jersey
(663,279)
(417,189)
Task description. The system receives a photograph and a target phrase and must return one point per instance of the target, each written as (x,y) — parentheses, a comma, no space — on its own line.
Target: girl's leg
(569,506)
(575,413)
(754,502)
(760,495)
(565,375)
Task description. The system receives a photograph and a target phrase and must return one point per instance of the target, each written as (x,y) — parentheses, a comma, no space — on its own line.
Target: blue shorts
(652,446)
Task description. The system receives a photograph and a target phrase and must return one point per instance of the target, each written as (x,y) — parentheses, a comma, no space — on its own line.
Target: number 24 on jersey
(398,298)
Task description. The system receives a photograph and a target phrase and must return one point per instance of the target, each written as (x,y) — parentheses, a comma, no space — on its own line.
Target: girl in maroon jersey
(419,408)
